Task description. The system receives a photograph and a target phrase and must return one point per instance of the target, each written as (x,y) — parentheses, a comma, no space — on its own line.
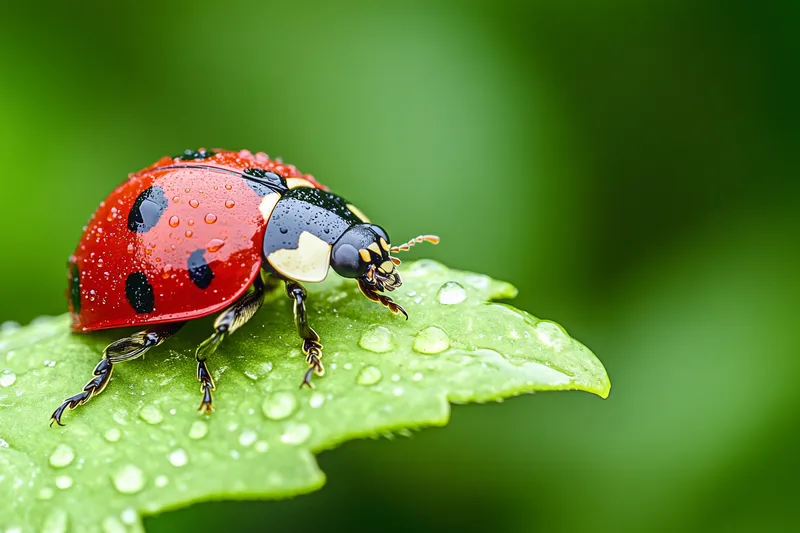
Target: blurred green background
(631,166)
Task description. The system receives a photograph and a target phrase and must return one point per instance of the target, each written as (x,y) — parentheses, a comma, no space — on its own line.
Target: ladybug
(210,232)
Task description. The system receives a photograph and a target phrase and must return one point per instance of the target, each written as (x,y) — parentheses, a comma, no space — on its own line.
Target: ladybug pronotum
(212,232)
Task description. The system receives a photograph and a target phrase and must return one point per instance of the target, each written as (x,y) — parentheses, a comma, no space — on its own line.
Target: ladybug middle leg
(311,346)
(117,352)
(229,321)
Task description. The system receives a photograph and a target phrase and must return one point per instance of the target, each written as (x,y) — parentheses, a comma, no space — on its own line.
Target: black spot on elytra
(147,210)
(264,182)
(190,154)
(75,288)
(199,271)
(140,293)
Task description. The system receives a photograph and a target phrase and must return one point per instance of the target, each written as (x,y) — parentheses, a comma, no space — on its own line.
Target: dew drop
(228,187)
(431,341)
(189,234)
(174,221)
(129,480)
(161,481)
(112,525)
(62,456)
(248,437)
(215,245)
(451,293)
(7,378)
(230,204)
(417,376)
(378,339)
(210,218)
(194,203)
(262,446)
(279,405)
(369,375)
(178,458)
(198,430)
(296,434)
(317,400)
(46,493)
(56,522)
(398,391)
(113,435)
(176,199)
(63,482)
(129,516)
(551,335)
(151,414)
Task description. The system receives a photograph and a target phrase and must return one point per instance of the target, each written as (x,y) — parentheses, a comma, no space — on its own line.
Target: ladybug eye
(346,261)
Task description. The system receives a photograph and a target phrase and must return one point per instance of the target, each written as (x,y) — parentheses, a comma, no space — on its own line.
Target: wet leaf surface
(141,447)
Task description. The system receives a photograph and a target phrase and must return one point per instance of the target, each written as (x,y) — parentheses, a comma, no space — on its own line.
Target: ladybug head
(363,252)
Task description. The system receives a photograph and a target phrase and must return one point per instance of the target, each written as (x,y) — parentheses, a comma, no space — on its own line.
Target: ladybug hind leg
(228,322)
(311,345)
(118,351)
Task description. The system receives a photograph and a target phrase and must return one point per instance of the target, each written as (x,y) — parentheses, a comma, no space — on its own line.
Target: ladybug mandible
(214,231)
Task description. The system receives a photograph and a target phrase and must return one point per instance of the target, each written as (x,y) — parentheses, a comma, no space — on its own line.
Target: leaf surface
(141,447)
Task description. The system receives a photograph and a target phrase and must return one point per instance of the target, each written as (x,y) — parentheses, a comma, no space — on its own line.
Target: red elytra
(208,214)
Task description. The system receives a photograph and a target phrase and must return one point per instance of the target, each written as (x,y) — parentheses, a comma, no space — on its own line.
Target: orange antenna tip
(433,239)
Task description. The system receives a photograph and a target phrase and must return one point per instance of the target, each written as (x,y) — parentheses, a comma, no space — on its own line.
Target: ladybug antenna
(433,239)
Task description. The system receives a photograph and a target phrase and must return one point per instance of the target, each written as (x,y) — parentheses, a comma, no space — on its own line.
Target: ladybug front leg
(232,319)
(311,346)
(117,352)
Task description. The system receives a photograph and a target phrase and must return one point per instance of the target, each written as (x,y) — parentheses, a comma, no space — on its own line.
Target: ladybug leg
(122,350)
(229,321)
(385,301)
(311,346)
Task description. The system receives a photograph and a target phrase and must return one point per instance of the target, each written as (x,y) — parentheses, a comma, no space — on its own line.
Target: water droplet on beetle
(176,199)
(210,218)
(228,187)
(113,435)
(369,375)
(296,434)
(230,204)
(215,245)
(174,221)
(451,293)
(194,203)
(378,339)
(129,480)
(151,414)
(131,248)
(189,234)
(284,230)
(198,430)
(62,456)
(7,378)
(279,405)
(178,458)
(431,341)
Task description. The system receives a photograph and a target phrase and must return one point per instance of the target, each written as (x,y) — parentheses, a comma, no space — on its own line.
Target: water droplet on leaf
(279,405)
(62,456)
(198,430)
(63,482)
(248,437)
(431,341)
(7,378)
(378,339)
(451,293)
(151,414)
(296,434)
(317,400)
(178,458)
(129,480)
(369,375)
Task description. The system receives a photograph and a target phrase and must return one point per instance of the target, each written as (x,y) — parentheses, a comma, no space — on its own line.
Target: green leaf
(141,447)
